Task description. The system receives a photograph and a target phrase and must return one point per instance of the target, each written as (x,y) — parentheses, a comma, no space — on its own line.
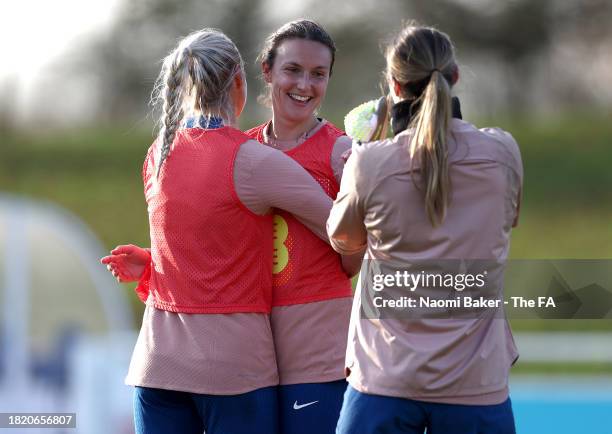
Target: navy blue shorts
(373,414)
(310,408)
(169,412)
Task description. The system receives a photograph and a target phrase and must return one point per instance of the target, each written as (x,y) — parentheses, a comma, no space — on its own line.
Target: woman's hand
(346,154)
(127,262)
(351,264)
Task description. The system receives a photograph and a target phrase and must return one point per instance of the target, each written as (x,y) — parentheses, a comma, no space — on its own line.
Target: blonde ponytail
(430,135)
(422,61)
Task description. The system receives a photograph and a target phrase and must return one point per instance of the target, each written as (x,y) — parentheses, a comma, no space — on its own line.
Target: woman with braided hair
(205,359)
(439,190)
(312,295)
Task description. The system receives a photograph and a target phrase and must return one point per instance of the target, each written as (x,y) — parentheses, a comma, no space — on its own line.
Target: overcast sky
(34,33)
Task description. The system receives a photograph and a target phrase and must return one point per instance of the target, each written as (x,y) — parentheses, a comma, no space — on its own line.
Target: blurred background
(75,81)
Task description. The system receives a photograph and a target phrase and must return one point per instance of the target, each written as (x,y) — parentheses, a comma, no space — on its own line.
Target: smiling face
(298,79)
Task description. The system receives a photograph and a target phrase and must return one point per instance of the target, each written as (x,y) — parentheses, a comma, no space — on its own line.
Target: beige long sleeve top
(462,361)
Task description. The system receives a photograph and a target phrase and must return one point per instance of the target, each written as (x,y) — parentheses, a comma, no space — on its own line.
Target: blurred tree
(510,35)
(513,46)
(126,60)
(520,34)
(513,33)
(521,55)
(8,104)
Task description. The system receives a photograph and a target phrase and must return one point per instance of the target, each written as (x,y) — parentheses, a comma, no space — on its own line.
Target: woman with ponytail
(439,190)
(205,359)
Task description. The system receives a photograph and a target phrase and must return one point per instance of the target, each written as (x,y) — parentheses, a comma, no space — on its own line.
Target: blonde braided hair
(195,77)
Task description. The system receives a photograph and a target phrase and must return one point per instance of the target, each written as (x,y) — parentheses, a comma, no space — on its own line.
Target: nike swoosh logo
(297,406)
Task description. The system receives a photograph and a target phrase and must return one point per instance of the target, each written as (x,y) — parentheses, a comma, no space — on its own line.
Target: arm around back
(265,178)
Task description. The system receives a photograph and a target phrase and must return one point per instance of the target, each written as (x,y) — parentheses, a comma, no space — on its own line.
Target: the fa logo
(546,302)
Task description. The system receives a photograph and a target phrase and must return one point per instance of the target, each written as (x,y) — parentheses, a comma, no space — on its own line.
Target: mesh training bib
(305,268)
(210,254)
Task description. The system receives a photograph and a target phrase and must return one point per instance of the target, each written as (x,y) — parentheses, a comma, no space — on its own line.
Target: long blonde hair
(196,75)
(422,61)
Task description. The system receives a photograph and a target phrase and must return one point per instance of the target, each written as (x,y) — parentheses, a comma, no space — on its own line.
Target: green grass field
(566,211)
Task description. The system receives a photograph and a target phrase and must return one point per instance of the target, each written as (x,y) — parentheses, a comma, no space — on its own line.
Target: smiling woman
(297,62)
(311,287)
(298,80)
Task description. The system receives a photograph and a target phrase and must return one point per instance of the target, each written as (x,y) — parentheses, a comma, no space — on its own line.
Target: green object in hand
(366,120)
